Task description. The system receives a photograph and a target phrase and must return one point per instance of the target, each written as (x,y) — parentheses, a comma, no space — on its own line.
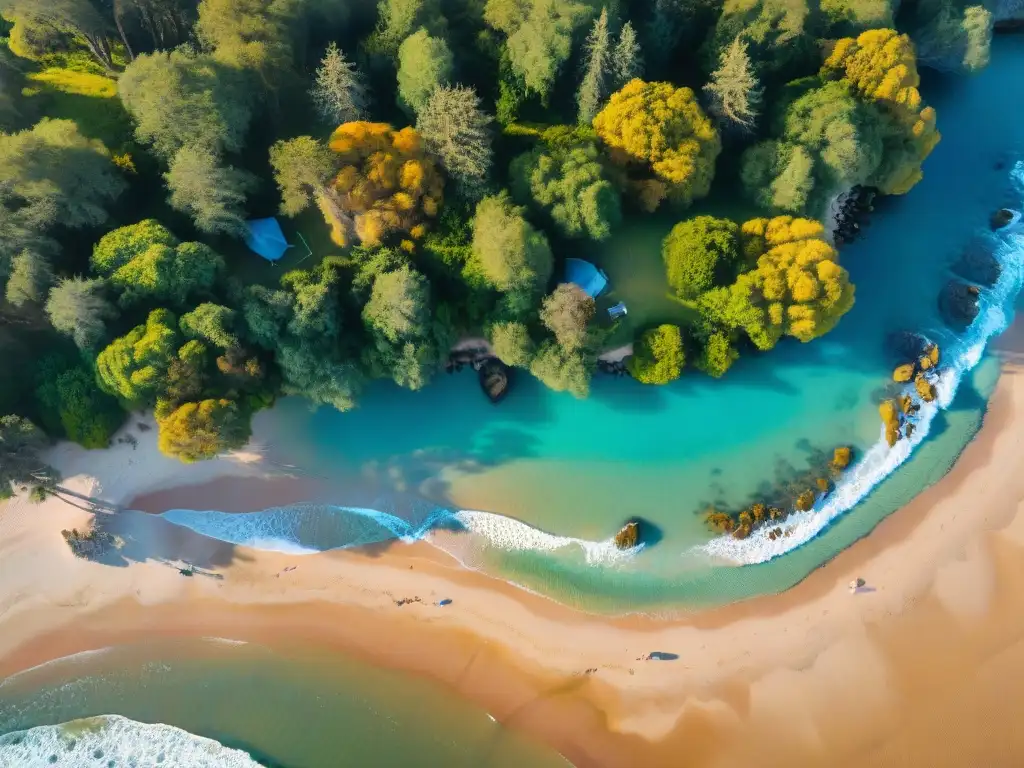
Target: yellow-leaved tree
(797,287)
(881,67)
(660,135)
(386,184)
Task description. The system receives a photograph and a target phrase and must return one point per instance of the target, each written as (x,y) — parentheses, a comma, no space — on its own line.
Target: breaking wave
(995,311)
(303,529)
(112,741)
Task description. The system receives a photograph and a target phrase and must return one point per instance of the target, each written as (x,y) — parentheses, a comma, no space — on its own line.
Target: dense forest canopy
(444,158)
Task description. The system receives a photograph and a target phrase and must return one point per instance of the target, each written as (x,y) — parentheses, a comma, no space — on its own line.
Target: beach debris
(408,600)
(856,585)
(628,536)
(91,543)
(446,601)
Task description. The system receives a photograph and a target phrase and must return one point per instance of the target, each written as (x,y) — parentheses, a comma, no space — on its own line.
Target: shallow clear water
(259,708)
(578,469)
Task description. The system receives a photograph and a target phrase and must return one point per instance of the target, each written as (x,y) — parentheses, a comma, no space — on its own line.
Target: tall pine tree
(734,92)
(626,62)
(593,89)
(339,92)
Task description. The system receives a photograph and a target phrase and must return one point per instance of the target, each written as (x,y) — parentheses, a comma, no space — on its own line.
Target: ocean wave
(304,529)
(72,659)
(995,313)
(112,740)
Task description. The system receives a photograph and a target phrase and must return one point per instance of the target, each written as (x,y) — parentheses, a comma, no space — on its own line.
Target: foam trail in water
(995,312)
(112,740)
(304,529)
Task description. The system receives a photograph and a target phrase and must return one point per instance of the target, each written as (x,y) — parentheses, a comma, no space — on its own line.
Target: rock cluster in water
(1001,218)
(852,215)
(613,367)
(978,264)
(799,495)
(896,412)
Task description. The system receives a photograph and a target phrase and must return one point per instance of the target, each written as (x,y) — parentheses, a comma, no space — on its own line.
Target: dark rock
(1001,218)
(628,536)
(958,304)
(978,264)
(495,378)
(906,345)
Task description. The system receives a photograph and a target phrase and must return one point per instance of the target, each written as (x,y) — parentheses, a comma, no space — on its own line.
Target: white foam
(995,313)
(72,659)
(112,740)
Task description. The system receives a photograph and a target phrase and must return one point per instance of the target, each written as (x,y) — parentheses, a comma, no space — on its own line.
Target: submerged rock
(1001,218)
(903,373)
(906,345)
(958,304)
(628,536)
(978,264)
(495,378)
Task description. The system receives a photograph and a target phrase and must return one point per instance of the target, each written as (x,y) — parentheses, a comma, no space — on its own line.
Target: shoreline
(818,673)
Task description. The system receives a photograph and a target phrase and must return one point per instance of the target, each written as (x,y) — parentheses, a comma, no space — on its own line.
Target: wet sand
(919,669)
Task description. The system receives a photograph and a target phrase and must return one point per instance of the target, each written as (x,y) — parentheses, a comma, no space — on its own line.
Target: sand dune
(919,669)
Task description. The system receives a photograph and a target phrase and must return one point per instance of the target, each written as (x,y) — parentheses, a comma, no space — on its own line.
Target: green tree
(661,131)
(512,344)
(571,187)
(399,305)
(456,131)
(953,40)
(254,35)
(211,193)
(701,253)
(134,366)
(626,60)
(400,18)
(211,322)
(321,378)
(593,87)
(185,379)
(122,245)
(58,175)
(179,98)
(424,63)
(658,356)
(339,93)
(265,312)
(165,274)
(561,370)
(567,313)
(512,254)
(197,431)
(71,17)
(78,308)
(21,442)
(734,92)
(302,169)
(87,415)
(717,352)
(30,279)
(539,36)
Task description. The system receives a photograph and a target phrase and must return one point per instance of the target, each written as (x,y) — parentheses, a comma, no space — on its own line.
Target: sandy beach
(920,668)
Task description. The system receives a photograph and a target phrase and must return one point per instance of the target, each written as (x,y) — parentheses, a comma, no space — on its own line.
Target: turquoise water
(220,704)
(560,476)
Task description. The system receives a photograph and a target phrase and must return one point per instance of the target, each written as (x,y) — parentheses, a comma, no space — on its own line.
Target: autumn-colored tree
(880,65)
(197,431)
(797,288)
(386,185)
(660,134)
(658,356)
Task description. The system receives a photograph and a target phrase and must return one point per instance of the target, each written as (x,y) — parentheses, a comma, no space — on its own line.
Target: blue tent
(584,274)
(265,237)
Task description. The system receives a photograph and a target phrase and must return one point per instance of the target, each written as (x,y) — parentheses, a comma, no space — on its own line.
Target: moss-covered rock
(628,536)
(805,500)
(823,484)
(933,354)
(841,457)
(907,405)
(903,373)
(890,414)
(925,389)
